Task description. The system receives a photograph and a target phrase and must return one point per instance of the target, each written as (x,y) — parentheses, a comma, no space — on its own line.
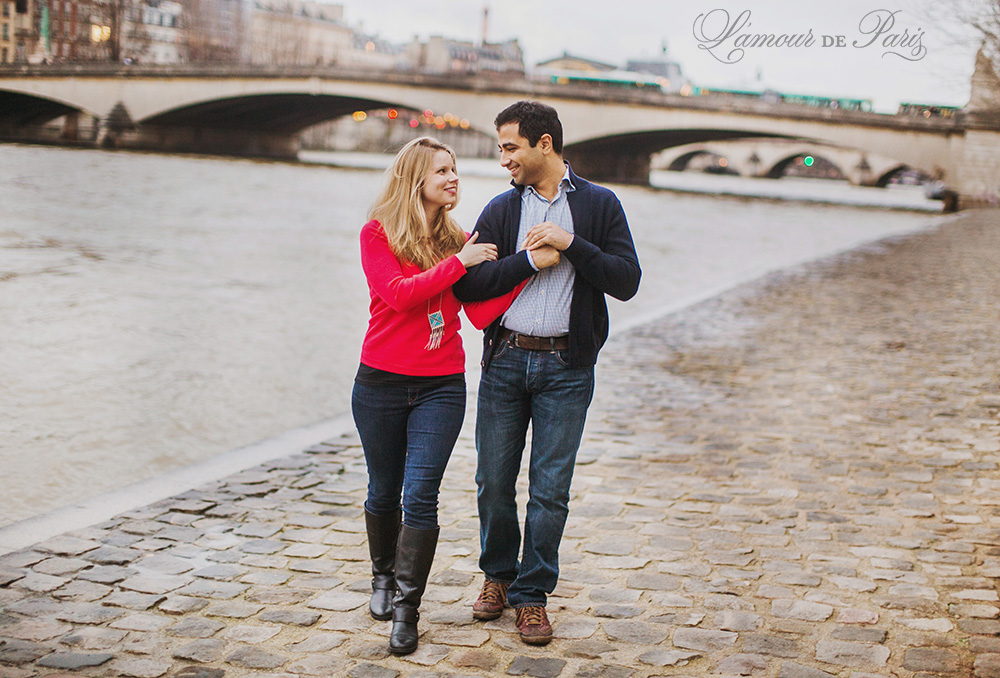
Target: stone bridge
(768,158)
(609,134)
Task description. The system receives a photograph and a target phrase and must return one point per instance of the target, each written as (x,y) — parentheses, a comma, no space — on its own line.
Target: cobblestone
(799,478)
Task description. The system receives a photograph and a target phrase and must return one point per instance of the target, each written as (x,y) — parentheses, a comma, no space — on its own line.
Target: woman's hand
(472,253)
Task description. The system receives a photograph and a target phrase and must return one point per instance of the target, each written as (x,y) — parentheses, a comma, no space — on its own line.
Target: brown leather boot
(492,599)
(533,625)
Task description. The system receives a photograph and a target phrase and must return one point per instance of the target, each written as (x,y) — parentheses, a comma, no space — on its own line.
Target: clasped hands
(545,241)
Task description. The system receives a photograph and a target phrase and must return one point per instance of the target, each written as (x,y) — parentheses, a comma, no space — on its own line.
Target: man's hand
(545,256)
(547,233)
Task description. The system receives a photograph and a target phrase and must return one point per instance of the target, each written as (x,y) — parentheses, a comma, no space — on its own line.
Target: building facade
(576,64)
(665,69)
(26,24)
(298,32)
(444,55)
(161,20)
(258,32)
(47,31)
(7,31)
(372,52)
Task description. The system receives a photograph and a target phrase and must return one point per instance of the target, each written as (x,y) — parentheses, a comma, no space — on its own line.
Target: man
(571,237)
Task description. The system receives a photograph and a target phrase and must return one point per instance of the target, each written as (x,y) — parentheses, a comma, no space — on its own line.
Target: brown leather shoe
(533,625)
(491,601)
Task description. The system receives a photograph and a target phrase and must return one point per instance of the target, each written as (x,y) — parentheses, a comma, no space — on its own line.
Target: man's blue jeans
(522,386)
(407,435)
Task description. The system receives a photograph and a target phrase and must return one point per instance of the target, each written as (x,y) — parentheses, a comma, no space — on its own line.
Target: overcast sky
(937,68)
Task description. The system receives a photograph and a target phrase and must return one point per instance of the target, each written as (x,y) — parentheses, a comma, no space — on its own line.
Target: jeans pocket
(562,357)
(500,348)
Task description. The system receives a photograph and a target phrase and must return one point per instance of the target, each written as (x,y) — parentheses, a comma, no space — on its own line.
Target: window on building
(6,9)
(6,31)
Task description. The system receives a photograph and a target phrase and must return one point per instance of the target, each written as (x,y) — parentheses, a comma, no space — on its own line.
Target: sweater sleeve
(482,313)
(492,279)
(385,273)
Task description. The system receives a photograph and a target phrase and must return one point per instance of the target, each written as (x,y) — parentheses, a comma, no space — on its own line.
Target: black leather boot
(383,531)
(414,556)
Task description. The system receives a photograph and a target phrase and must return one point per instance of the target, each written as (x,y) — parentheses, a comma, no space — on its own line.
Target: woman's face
(440,183)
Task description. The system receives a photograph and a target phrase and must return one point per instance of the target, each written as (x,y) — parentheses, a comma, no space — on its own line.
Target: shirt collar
(565,185)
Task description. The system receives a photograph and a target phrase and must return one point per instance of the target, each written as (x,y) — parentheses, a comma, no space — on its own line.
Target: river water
(157,311)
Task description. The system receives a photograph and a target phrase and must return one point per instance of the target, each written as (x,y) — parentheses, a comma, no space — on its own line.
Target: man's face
(518,157)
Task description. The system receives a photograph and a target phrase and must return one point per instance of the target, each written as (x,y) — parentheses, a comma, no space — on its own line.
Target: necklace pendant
(436,320)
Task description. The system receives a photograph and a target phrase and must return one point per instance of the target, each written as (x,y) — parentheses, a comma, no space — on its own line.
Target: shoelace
(492,594)
(532,616)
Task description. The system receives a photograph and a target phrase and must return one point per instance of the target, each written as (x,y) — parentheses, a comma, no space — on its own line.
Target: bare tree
(963,22)
(971,27)
(212,30)
(276,37)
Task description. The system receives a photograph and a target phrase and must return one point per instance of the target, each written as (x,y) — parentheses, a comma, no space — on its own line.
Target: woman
(409,393)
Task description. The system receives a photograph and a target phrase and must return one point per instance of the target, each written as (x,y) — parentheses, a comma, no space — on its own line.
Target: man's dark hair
(533,120)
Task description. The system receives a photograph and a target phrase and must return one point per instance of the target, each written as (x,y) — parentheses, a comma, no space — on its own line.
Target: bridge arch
(884,179)
(274,113)
(22,109)
(265,123)
(778,169)
(270,113)
(626,157)
(681,162)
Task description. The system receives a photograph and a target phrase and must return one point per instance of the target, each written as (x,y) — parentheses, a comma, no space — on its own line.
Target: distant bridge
(610,134)
(771,157)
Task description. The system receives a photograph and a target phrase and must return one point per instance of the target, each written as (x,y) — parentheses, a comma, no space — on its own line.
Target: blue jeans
(523,386)
(407,435)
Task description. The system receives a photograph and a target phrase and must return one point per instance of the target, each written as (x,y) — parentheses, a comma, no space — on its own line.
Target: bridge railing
(515,84)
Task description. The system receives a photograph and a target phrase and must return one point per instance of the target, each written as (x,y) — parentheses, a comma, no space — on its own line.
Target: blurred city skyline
(633,29)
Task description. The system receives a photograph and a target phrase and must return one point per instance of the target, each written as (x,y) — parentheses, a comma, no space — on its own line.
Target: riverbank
(222,301)
(797,478)
(798,189)
(787,189)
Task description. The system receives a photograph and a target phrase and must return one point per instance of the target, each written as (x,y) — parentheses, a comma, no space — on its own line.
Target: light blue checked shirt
(542,307)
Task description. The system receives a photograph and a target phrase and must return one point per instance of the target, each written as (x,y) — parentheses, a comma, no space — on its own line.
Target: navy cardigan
(602,253)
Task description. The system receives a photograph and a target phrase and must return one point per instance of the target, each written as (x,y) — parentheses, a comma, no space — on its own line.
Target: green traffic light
(809,161)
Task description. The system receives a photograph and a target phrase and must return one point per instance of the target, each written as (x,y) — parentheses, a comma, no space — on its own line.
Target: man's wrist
(531,260)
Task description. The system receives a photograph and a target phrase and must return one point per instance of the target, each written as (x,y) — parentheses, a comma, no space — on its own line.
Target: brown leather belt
(530,343)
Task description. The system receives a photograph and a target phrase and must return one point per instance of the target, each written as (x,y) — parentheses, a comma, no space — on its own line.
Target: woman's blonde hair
(400,209)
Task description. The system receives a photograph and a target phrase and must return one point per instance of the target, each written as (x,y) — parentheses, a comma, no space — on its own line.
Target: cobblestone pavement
(797,479)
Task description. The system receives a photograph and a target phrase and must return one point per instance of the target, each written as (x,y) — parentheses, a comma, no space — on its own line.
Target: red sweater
(402,296)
